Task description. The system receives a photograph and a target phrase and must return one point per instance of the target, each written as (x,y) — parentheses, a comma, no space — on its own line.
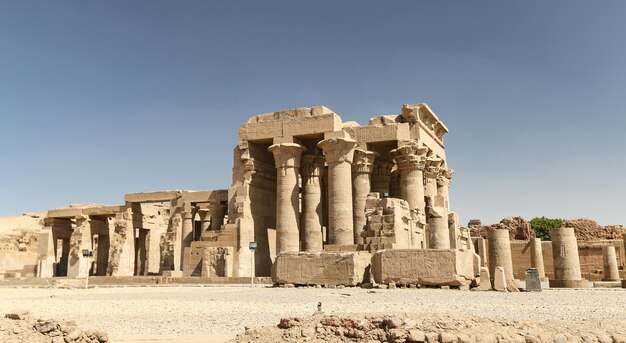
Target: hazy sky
(98,99)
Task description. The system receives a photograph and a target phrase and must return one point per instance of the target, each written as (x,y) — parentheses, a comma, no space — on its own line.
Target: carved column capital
(444,177)
(338,150)
(363,161)
(287,155)
(410,155)
(433,166)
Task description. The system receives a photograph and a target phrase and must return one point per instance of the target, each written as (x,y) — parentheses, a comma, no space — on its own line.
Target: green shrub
(543,226)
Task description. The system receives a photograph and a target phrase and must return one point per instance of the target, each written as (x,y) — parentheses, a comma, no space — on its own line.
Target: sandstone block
(302,268)
(423,267)
(533,282)
(485,280)
(499,280)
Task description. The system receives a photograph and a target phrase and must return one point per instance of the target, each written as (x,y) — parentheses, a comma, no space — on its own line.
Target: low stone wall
(347,269)
(445,267)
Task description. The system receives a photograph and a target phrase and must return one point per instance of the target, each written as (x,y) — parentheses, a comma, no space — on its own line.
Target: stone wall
(590,254)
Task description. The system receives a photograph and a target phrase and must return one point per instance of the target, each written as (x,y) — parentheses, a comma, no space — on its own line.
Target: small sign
(253,245)
(87,253)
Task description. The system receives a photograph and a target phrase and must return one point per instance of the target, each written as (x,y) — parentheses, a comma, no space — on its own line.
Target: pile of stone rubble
(20,327)
(432,329)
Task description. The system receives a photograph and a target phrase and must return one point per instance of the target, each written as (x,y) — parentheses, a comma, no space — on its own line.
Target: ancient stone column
(566,261)
(500,253)
(287,160)
(218,211)
(609,259)
(436,212)
(409,157)
(79,266)
(361,171)
(187,229)
(381,177)
(482,251)
(176,229)
(443,185)
(312,215)
(205,220)
(536,257)
(339,153)
(122,244)
(46,250)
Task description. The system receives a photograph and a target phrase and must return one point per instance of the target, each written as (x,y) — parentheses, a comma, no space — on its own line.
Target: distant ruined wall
(590,254)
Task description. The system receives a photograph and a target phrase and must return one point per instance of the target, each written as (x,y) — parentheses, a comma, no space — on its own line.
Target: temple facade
(303,181)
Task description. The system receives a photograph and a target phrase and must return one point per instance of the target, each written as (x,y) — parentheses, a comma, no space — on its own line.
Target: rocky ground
(20,327)
(397,328)
(216,314)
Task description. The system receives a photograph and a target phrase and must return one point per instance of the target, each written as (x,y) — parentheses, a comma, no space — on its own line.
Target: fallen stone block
(433,267)
(333,269)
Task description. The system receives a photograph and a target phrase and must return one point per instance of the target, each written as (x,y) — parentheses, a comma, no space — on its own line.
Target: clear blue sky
(98,99)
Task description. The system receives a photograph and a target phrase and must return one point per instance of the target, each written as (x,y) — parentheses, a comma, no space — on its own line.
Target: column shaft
(536,257)
(609,259)
(565,254)
(436,212)
(287,159)
(311,203)
(339,153)
(500,253)
(186,234)
(361,186)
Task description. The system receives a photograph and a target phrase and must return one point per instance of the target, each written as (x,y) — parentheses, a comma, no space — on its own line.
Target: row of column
(213,219)
(350,181)
(424,184)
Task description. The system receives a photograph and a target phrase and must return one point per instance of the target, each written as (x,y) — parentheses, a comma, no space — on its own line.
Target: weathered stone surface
(217,261)
(533,280)
(348,269)
(499,280)
(423,267)
(566,260)
(485,280)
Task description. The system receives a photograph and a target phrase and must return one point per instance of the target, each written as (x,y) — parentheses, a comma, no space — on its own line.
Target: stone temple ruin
(313,201)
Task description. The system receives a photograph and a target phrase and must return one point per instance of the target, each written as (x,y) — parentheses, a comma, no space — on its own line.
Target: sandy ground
(218,313)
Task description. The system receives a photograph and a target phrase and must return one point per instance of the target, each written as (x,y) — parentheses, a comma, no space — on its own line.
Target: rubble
(431,329)
(17,326)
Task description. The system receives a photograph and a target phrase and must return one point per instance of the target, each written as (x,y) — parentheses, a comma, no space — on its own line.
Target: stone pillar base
(623,283)
(583,283)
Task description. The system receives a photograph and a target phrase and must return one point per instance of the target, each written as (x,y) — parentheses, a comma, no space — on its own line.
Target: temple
(303,181)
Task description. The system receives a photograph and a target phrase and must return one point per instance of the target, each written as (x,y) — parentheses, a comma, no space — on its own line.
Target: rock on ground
(19,327)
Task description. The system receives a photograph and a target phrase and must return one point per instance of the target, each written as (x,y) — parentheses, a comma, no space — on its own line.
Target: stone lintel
(376,134)
(287,125)
(105,211)
(67,213)
(159,196)
(205,196)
